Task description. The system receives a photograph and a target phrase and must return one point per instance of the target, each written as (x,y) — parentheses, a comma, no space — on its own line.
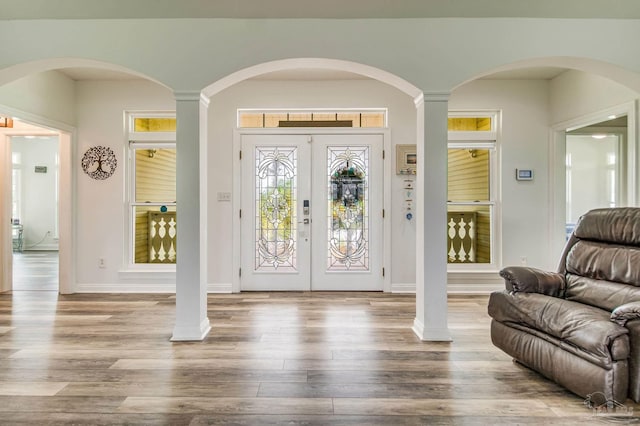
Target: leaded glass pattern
(348,208)
(275,212)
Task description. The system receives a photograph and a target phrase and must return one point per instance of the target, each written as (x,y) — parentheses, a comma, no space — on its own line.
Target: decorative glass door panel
(312,212)
(275,243)
(348,208)
(347,221)
(276,172)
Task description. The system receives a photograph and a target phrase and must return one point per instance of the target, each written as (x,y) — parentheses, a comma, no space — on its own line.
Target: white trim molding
(461,283)
(220,288)
(431,334)
(138,287)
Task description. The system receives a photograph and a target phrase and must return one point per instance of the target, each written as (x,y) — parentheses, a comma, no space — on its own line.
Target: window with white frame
(472,190)
(151,194)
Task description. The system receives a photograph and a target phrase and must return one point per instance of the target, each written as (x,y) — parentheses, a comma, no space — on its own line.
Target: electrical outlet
(101,263)
(224,196)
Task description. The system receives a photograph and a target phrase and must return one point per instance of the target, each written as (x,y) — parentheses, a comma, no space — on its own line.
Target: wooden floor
(35,271)
(271,358)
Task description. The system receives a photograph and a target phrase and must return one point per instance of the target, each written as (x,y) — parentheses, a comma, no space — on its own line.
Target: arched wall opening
(413,98)
(283,84)
(540,99)
(48,93)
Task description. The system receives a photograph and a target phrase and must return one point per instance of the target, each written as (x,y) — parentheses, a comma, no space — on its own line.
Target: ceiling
(335,9)
(127,9)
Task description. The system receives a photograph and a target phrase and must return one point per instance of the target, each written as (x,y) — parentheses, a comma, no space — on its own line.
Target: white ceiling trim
(331,9)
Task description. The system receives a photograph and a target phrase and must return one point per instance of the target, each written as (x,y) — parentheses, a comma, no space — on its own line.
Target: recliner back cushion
(615,226)
(603,275)
(602,294)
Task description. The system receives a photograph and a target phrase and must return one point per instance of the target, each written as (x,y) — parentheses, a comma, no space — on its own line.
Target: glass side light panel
(275,209)
(348,208)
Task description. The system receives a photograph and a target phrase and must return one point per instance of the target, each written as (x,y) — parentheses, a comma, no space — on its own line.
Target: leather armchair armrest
(531,280)
(627,312)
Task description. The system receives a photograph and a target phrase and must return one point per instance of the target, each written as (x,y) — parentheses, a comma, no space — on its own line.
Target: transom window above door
(360,118)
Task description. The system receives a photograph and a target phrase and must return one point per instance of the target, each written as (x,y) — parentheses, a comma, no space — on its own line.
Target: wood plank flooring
(271,358)
(35,271)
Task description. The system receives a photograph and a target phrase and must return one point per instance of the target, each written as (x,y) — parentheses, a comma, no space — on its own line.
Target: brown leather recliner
(580,326)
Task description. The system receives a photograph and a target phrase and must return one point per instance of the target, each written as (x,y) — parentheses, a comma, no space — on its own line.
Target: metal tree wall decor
(99,162)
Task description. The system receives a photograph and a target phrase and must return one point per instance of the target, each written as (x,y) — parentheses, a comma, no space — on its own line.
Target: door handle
(305,221)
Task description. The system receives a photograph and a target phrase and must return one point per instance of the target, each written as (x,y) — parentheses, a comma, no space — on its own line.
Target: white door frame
(237,184)
(557,167)
(66,202)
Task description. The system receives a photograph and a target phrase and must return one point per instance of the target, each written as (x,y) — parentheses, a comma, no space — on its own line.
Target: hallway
(271,358)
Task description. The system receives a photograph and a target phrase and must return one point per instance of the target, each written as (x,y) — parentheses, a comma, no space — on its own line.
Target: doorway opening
(35,183)
(312,207)
(596,168)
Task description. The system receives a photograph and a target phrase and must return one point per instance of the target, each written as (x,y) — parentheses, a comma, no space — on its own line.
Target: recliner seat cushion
(586,327)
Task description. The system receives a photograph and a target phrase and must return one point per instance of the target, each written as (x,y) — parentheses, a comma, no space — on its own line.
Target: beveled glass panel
(469,233)
(275,211)
(469,124)
(348,208)
(468,174)
(154,124)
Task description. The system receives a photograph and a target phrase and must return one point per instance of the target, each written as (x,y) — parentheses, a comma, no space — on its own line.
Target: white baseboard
(42,247)
(403,287)
(145,287)
(125,288)
(461,283)
(219,288)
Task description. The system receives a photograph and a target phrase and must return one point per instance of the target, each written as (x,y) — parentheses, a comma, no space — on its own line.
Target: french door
(311,212)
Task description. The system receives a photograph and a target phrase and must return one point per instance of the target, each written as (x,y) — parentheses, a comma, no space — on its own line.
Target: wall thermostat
(524,174)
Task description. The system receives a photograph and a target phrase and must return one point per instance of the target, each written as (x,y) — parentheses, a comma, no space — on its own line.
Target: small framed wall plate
(524,174)
(406,159)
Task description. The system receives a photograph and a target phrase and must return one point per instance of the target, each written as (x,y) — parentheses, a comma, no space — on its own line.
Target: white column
(191,272)
(430,323)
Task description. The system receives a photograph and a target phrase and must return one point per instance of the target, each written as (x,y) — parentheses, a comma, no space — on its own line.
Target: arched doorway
(556,94)
(43,93)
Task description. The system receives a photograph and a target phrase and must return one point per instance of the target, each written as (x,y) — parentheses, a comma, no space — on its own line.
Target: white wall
(575,94)
(524,144)
(303,94)
(101,221)
(101,218)
(38,191)
(49,94)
